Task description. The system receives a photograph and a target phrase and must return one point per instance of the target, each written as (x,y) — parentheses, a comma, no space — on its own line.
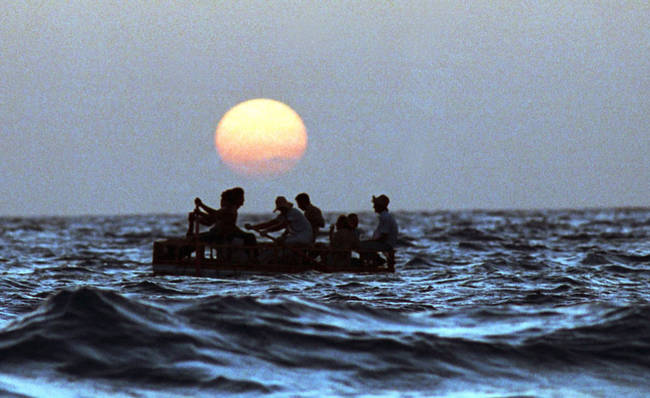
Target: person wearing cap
(296,226)
(385,235)
(313,214)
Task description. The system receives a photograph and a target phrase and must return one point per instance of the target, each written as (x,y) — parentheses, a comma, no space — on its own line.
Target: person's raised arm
(202,206)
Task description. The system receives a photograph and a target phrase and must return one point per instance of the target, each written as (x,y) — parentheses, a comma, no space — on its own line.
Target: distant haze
(111,108)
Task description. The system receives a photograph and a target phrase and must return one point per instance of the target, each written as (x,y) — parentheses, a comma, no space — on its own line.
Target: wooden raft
(179,256)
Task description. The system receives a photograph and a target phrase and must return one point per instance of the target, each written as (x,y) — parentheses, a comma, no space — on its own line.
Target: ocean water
(482,304)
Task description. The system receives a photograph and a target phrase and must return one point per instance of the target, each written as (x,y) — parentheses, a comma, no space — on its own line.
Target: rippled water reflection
(541,303)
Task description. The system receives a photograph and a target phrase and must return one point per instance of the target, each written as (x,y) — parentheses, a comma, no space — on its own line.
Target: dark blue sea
(482,304)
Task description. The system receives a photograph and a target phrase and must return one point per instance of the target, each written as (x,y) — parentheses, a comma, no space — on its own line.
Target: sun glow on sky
(440,105)
(261,137)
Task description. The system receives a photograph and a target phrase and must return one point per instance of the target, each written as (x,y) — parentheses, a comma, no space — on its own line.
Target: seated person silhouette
(236,195)
(221,221)
(297,230)
(312,213)
(342,241)
(353,218)
(385,236)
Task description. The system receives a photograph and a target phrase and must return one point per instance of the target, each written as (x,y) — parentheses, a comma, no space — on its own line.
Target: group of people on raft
(300,227)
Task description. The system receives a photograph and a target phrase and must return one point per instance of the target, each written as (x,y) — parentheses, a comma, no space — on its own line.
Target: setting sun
(261,137)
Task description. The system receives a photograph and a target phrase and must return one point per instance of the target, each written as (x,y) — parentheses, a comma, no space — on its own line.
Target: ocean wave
(478,299)
(92,332)
(620,336)
(97,333)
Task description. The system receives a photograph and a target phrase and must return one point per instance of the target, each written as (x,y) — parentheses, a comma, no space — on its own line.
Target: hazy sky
(111,107)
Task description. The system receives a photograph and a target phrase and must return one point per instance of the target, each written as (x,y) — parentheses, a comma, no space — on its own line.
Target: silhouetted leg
(372,249)
(190,224)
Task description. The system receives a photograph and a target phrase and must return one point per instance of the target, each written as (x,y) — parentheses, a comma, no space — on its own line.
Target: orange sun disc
(261,138)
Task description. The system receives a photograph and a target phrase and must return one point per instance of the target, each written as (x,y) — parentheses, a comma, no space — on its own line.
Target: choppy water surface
(552,303)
